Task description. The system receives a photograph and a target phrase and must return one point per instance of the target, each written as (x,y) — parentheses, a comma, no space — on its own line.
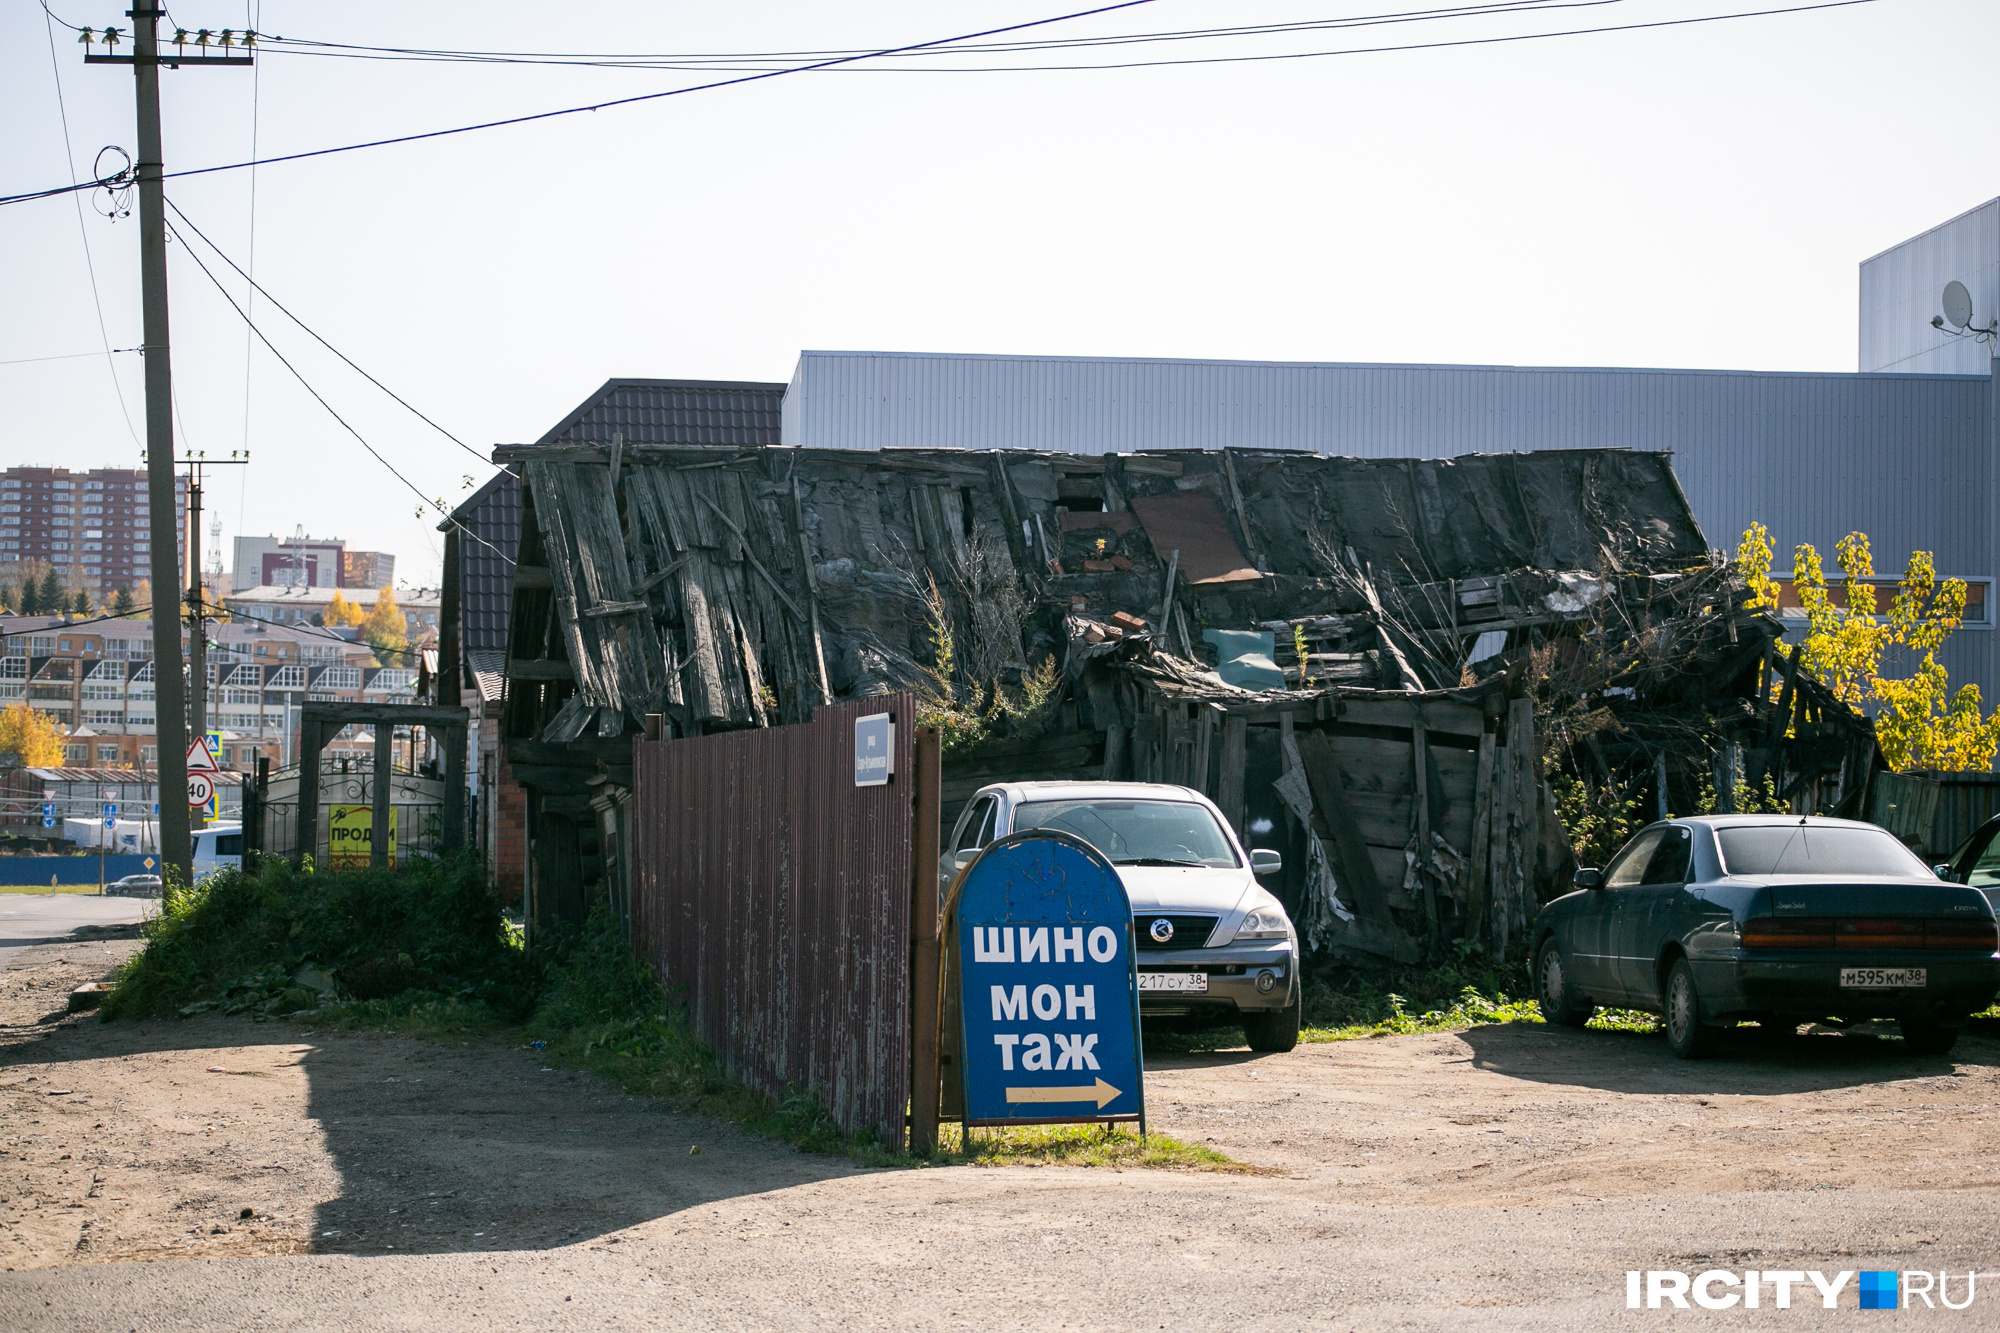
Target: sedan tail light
(1980,936)
(1788,932)
(1826,932)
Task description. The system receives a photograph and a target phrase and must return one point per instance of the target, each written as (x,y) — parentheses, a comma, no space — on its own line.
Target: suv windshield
(1136,833)
(1802,849)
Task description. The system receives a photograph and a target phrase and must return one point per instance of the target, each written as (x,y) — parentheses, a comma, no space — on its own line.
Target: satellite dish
(1957,304)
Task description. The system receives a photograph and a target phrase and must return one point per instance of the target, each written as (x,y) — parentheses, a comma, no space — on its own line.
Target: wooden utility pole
(170,718)
(197,678)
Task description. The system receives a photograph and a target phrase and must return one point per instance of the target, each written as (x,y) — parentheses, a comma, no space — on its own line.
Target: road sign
(874,749)
(48,814)
(1049,993)
(201,759)
(111,814)
(201,787)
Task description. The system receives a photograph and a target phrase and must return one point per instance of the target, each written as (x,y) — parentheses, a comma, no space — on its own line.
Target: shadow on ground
(431,1148)
(1747,1061)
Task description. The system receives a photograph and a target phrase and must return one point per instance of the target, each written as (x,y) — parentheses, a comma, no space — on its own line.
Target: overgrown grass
(1357,1002)
(1079,1145)
(275,940)
(425,952)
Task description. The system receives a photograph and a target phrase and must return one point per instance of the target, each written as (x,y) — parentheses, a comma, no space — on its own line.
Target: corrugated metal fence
(775,895)
(1965,801)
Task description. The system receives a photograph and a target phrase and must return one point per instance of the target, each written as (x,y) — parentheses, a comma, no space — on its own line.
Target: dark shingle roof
(677,412)
(490,521)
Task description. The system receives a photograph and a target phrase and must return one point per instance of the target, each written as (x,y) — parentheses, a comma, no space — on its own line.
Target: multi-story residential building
(95,677)
(299,605)
(92,526)
(300,561)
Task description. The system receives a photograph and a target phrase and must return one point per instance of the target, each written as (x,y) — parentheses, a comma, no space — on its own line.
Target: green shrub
(428,928)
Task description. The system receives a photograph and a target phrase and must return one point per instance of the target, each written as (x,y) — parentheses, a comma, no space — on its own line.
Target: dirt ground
(221,1138)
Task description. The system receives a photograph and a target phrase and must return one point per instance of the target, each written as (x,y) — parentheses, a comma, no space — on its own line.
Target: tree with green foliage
(122,604)
(53,599)
(31,598)
(80,603)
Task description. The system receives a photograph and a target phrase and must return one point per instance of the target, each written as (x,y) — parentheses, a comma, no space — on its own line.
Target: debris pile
(1383,668)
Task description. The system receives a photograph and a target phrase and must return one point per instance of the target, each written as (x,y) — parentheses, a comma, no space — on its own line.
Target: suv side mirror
(1592,878)
(1942,870)
(1264,861)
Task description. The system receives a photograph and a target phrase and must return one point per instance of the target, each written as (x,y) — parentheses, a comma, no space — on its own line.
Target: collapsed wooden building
(1372,665)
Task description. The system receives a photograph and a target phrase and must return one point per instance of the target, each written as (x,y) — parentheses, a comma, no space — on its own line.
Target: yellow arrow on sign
(1103,1094)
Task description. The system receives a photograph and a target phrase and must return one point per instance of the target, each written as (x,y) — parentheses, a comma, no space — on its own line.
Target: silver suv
(1214,947)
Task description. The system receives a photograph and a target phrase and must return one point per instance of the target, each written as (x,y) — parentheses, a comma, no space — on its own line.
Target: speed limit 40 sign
(201,788)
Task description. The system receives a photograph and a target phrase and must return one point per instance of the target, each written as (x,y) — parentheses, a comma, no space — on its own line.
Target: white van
(217,846)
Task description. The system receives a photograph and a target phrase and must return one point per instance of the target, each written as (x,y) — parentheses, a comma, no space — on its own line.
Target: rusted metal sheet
(773,895)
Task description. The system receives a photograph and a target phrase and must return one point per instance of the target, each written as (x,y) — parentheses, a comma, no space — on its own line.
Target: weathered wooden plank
(1526,820)
(1355,869)
(1479,893)
(1204,742)
(1229,782)
(1498,878)
(1442,717)
(1420,747)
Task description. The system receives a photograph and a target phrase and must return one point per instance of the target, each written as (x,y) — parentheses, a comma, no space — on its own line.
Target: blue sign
(111,814)
(874,750)
(1049,985)
(48,814)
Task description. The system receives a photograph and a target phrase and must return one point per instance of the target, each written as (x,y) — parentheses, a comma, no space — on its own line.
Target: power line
(72,356)
(83,233)
(635,60)
(359,438)
(321,341)
(595,106)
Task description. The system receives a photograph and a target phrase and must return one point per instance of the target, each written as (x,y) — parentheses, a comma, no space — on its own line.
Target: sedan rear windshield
(1142,833)
(1801,849)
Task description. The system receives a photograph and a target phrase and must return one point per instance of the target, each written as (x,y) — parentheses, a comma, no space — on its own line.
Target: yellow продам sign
(350,835)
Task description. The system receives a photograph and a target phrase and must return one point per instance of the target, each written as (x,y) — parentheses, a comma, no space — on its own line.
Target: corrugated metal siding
(775,895)
(1903,287)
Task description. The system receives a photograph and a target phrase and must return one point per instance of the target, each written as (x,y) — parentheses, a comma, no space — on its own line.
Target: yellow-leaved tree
(340,611)
(1920,722)
(32,736)
(386,630)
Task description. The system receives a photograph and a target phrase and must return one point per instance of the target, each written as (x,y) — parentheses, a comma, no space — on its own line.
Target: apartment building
(96,679)
(307,562)
(92,526)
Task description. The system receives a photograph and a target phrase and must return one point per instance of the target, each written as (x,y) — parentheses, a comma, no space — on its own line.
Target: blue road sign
(111,814)
(48,814)
(1049,985)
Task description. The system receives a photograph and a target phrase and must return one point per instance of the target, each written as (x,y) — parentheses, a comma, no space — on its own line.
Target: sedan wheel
(1559,1000)
(1687,1036)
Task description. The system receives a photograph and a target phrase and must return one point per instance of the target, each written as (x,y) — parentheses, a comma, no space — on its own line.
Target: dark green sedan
(1777,919)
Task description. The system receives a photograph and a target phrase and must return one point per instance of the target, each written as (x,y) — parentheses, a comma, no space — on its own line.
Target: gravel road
(1504,1178)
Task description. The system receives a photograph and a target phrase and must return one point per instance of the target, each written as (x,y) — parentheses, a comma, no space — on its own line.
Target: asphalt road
(30,920)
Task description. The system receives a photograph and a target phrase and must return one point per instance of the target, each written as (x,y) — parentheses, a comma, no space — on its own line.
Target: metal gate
(774,895)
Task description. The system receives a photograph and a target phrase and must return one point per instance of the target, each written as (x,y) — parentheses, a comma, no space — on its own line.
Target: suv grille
(1190,932)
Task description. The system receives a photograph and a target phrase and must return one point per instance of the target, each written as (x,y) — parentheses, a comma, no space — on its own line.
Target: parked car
(217,846)
(134,886)
(1976,863)
(1214,946)
(1773,918)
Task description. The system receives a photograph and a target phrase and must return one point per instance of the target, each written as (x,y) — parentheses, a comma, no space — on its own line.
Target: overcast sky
(1687,196)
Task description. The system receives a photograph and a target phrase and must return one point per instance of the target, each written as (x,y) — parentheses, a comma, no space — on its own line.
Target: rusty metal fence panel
(774,895)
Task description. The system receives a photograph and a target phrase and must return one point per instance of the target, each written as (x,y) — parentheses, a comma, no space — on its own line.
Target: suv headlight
(1265,923)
